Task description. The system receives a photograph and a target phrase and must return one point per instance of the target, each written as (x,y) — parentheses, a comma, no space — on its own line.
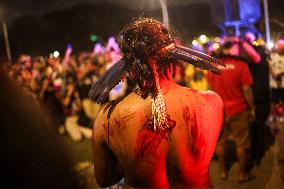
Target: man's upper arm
(98,150)
(213,117)
(217,102)
(105,163)
(252,53)
(212,97)
(217,105)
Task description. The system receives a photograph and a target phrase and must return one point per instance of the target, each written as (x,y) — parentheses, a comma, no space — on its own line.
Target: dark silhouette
(32,157)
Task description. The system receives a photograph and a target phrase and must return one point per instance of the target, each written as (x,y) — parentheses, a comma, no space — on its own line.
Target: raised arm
(253,55)
(248,94)
(247,82)
(106,167)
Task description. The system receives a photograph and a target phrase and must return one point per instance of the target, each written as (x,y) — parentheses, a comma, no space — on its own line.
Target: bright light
(93,38)
(203,39)
(270,45)
(55,54)
(256,43)
(216,46)
(217,39)
(194,42)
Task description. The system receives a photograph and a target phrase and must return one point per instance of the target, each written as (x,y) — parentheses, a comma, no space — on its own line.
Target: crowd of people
(62,85)
(251,86)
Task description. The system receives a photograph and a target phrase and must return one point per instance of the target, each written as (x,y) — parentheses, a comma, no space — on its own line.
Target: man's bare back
(150,159)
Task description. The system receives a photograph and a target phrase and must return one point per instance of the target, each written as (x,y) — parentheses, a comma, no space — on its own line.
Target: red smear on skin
(147,143)
(190,121)
(195,138)
(192,162)
(186,114)
(198,140)
(147,146)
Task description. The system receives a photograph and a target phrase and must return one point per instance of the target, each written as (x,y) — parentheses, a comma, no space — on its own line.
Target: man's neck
(166,83)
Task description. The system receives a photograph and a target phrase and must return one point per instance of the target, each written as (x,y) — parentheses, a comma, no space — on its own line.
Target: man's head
(148,54)
(142,43)
(231,48)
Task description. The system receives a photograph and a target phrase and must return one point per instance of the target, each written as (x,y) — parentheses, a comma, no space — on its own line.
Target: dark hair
(228,45)
(143,40)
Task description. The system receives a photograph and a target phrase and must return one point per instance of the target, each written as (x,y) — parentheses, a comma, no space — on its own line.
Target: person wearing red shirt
(234,87)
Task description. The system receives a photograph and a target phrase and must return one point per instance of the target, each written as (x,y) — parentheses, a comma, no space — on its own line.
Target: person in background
(260,87)
(234,87)
(37,74)
(50,93)
(82,110)
(276,64)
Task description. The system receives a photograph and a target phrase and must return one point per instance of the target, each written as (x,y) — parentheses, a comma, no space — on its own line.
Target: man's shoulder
(205,103)
(211,96)
(131,103)
(208,96)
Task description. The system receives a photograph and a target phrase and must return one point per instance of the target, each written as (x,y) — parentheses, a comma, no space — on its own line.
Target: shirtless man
(152,152)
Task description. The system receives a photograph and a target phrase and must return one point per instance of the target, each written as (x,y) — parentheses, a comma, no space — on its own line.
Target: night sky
(53,21)
(12,9)
(16,8)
